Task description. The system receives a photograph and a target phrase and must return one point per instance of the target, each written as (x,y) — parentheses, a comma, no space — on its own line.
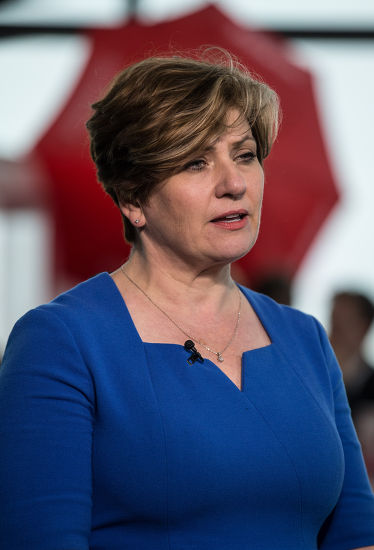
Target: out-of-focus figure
(364,422)
(351,316)
(277,285)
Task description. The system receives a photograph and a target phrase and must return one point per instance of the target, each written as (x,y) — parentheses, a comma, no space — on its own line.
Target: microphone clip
(189,346)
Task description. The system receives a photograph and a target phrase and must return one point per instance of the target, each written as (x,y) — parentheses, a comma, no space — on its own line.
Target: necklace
(219,354)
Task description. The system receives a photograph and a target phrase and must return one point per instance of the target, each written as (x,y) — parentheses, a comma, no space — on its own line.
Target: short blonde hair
(161,111)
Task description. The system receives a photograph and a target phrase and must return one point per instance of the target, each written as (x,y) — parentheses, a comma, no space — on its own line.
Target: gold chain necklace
(219,354)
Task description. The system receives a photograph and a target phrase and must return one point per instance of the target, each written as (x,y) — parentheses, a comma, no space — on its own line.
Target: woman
(163,406)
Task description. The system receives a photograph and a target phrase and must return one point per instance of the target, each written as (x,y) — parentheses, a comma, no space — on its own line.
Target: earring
(137,221)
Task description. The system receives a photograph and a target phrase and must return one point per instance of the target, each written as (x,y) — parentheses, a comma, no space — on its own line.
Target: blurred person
(364,422)
(276,285)
(164,406)
(351,318)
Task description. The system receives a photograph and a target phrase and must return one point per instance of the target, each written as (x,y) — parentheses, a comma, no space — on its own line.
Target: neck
(205,287)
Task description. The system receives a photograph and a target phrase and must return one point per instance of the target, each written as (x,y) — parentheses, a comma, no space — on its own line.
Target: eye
(247,157)
(195,165)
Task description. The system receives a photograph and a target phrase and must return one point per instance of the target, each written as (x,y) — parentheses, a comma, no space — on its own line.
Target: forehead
(235,118)
(237,128)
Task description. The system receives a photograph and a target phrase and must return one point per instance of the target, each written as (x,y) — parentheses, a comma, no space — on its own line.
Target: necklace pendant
(219,357)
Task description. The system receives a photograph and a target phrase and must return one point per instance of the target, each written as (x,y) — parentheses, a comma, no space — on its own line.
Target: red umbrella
(299,188)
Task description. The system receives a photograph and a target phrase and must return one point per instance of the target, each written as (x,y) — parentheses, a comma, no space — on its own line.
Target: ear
(133,213)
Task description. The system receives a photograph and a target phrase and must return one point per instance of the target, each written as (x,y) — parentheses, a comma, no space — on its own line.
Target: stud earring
(137,221)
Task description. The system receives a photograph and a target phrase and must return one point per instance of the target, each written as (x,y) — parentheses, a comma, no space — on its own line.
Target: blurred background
(56,225)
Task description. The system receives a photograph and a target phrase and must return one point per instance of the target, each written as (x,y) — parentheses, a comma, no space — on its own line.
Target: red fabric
(299,189)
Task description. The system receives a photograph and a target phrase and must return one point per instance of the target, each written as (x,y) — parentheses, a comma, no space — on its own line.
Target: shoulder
(284,318)
(298,334)
(76,317)
(52,344)
(84,303)
(92,296)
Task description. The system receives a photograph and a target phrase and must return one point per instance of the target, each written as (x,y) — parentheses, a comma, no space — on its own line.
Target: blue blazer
(111,443)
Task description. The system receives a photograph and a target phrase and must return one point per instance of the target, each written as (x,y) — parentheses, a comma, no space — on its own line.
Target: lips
(231,217)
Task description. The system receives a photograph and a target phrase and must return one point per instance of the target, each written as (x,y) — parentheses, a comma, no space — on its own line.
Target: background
(43,51)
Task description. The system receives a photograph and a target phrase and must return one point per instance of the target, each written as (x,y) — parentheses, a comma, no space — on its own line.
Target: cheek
(187,212)
(261,188)
(256,181)
(180,216)
(181,224)
(257,194)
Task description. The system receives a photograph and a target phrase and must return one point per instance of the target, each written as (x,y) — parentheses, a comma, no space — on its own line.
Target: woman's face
(209,213)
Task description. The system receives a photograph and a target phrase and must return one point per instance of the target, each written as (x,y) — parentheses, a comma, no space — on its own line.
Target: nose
(230,181)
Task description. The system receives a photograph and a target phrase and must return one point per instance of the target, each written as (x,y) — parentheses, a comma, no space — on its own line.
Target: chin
(234,255)
(227,250)
(235,252)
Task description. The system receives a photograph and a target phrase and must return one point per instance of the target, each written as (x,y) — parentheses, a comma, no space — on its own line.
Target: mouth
(231,217)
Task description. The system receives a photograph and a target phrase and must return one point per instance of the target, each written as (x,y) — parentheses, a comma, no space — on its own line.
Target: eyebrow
(236,144)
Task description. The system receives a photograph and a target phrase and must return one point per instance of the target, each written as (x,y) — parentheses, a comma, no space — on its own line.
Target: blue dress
(110,443)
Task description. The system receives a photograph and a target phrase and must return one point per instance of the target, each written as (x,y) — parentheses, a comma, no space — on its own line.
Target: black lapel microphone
(189,346)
